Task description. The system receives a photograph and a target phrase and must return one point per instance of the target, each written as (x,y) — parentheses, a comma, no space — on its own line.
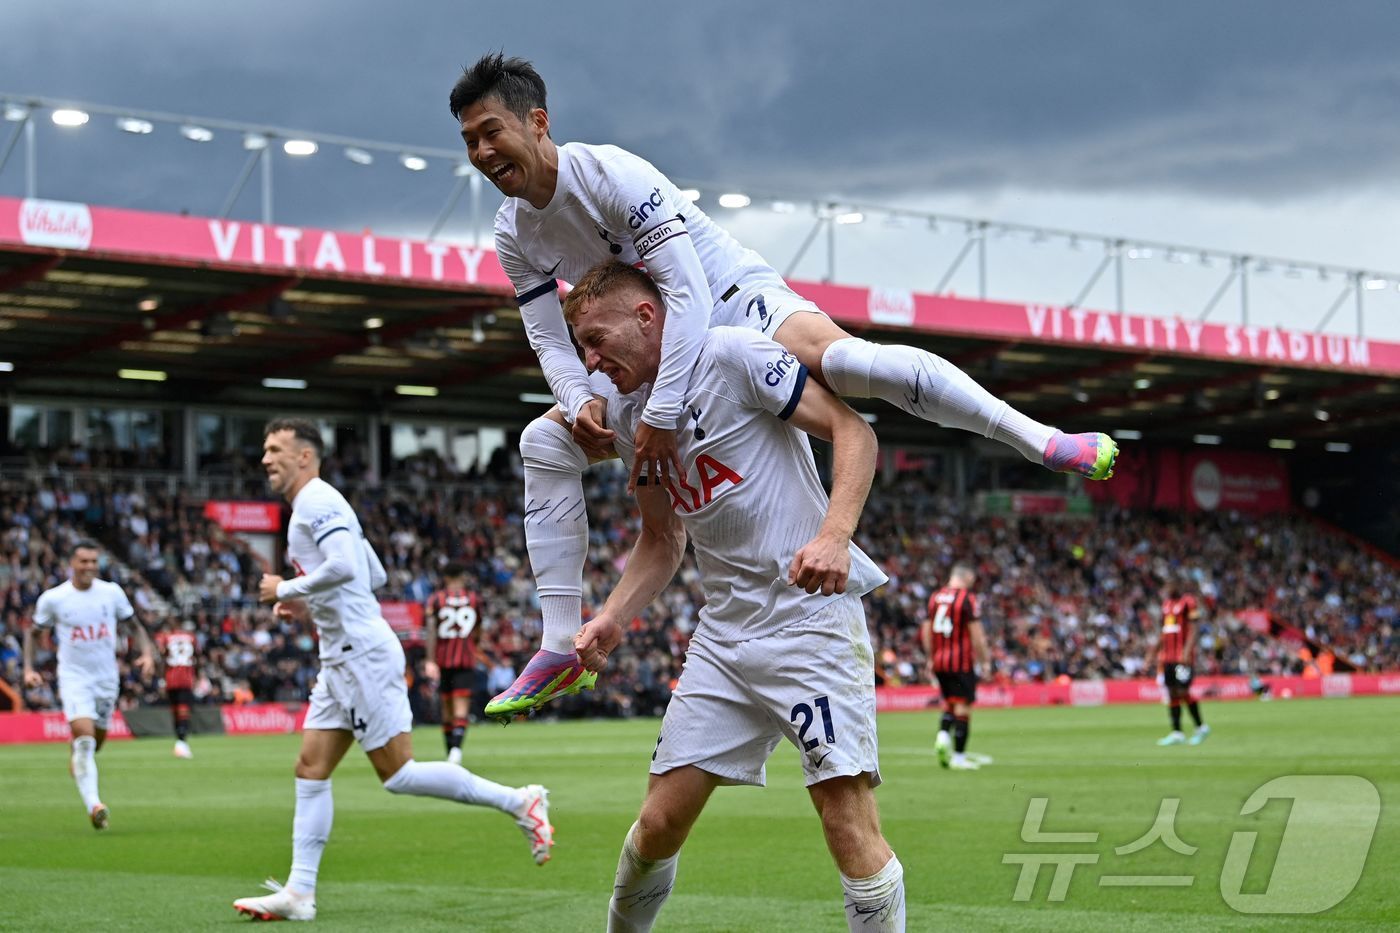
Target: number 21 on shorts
(804,712)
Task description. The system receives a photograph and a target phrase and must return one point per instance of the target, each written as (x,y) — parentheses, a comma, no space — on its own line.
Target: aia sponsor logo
(61,224)
(712,474)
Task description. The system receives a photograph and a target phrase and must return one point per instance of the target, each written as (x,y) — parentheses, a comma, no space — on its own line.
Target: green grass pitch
(188,837)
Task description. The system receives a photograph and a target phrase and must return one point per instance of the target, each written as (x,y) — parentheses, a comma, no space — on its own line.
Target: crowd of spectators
(1074,597)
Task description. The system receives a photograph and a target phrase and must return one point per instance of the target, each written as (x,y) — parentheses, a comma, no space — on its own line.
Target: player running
(1176,656)
(83,614)
(781,649)
(568,207)
(360,693)
(450,620)
(953,639)
(177,647)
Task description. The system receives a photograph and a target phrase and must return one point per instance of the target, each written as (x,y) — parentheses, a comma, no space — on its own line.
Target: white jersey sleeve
(121,604)
(537,293)
(46,610)
(634,195)
(759,372)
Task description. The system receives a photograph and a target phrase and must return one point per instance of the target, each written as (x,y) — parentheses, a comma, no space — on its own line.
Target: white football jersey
(84,623)
(609,203)
(347,616)
(751,496)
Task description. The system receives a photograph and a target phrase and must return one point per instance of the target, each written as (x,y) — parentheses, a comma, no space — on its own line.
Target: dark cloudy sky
(1252,126)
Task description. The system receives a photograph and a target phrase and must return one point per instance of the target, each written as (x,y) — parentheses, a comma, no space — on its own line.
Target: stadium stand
(1063,596)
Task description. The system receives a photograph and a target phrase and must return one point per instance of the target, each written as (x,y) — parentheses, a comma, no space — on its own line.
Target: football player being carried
(83,613)
(956,646)
(450,620)
(566,208)
(781,649)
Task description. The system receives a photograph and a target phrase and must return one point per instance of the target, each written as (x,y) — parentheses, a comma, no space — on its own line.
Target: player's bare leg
(929,387)
(871,875)
(528,805)
(646,869)
(556,537)
(321,751)
(87,740)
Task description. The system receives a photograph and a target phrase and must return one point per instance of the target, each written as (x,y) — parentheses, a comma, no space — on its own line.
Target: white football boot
(533,820)
(281,904)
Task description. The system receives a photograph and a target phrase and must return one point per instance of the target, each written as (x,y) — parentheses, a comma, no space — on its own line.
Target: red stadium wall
(1141,690)
(251,719)
(51,227)
(274,719)
(1196,481)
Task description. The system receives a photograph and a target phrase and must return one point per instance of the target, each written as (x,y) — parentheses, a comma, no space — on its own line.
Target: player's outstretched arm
(32,678)
(824,563)
(341,552)
(654,560)
(146,662)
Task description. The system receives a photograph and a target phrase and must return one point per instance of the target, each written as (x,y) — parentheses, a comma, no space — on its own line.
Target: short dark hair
(85,544)
(453,571)
(607,277)
(513,81)
(302,429)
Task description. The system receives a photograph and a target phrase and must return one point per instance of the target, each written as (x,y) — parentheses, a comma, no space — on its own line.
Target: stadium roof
(220,306)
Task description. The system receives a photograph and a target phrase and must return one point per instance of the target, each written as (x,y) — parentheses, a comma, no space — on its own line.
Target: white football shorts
(88,698)
(365,695)
(760,303)
(812,683)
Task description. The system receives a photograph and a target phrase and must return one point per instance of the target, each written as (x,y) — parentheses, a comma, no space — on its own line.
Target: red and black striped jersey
(1178,617)
(455,613)
(178,650)
(950,611)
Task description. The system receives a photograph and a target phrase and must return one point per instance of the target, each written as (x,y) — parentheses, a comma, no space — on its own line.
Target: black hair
(303,430)
(85,544)
(512,81)
(454,571)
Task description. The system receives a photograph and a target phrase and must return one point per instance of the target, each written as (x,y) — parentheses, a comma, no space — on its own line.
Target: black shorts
(1177,676)
(180,696)
(456,681)
(957,686)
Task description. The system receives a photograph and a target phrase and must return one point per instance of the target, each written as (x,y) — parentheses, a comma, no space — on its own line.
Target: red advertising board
(252,719)
(1197,481)
(406,619)
(48,226)
(244,515)
(49,727)
(262,718)
(1141,690)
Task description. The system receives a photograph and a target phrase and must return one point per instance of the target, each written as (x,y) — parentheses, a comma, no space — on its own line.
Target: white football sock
(556,527)
(85,770)
(452,782)
(639,889)
(311,828)
(876,903)
(931,388)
